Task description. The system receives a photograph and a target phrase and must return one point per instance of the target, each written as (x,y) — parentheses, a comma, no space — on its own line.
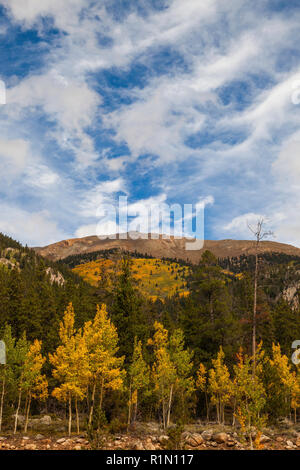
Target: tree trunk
(92,404)
(17,411)
(207,407)
(70,415)
(77,415)
(135,407)
(27,413)
(129,408)
(169,405)
(2,402)
(254,312)
(101,395)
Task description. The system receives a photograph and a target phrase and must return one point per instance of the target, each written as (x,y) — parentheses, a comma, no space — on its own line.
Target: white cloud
(69,104)
(33,228)
(65,13)
(13,155)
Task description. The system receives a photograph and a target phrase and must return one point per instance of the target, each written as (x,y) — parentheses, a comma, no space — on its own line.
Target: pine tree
(7,369)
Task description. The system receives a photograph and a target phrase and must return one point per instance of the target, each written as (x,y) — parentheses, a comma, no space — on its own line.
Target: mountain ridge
(161,247)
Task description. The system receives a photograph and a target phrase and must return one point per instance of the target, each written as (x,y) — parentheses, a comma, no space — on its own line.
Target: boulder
(163,438)
(194,439)
(30,447)
(207,434)
(46,420)
(264,439)
(221,437)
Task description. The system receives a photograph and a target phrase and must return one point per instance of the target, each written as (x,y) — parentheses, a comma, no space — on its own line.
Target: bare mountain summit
(162,247)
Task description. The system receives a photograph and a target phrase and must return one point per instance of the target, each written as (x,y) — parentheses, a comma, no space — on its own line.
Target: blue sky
(161,100)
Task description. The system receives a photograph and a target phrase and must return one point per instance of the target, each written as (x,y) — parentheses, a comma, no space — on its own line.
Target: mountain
(161,248)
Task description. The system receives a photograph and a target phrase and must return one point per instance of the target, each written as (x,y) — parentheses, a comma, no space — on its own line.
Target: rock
(194,439)
(149,446)
(46,420)
(264,439)
(221,437)
(230,443)
(207,434)
(61,440)
(213,444)
(39,437)
(290,444)
(163,438)
(138,446)
(77,447)
(29,447)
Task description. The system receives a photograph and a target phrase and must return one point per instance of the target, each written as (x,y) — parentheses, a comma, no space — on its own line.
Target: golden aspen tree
(184,384)
(285,381)
(21,351)
(250,394)
(202,384)
(35,384)
(101,339)
(163,370)
(139,378)
(71,365)
(220,385)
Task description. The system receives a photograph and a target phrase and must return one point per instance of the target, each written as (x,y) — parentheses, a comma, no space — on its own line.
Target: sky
(172,101)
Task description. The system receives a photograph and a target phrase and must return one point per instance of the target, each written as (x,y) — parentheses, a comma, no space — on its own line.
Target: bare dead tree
(259,235)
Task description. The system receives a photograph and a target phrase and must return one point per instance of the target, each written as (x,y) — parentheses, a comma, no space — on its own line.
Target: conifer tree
(7,369)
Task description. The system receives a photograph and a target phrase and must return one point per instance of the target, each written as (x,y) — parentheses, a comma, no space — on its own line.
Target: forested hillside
(132,358)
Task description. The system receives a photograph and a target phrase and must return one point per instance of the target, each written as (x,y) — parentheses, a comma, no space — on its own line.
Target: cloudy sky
(160,100)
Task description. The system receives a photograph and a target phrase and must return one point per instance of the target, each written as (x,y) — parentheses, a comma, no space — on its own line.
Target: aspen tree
(163,370)
(138,378)
(71,365)
(285,380)
(220,385)
(21,351)
(202,384)
(182,359)
(101,339)
(35,384)
(250,394)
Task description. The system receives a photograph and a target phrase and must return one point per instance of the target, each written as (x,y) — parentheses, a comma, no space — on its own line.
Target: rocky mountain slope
(162,247)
